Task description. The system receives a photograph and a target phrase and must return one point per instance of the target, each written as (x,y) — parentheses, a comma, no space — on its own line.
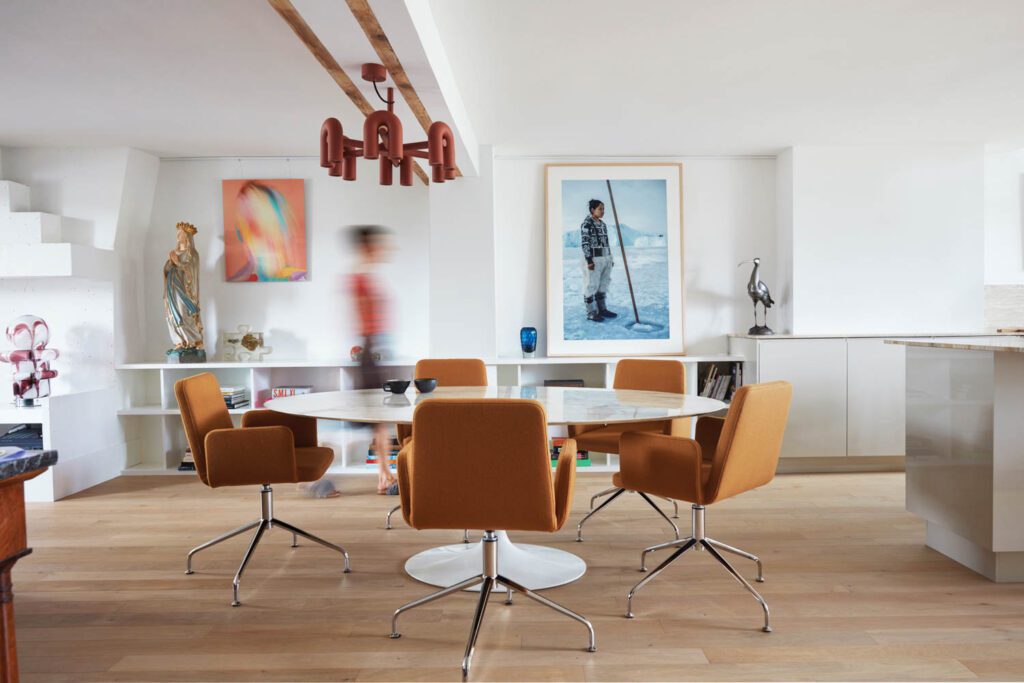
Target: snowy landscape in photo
(648,267)
(641,209)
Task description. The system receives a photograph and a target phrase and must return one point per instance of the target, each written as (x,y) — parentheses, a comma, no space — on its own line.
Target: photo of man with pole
(615,259)
(614,246)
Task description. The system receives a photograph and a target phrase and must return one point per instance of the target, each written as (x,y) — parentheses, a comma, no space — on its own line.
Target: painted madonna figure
(181,299)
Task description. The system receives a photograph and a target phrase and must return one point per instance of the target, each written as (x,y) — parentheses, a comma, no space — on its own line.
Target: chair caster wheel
(767,629)
(396,635)
(235,604)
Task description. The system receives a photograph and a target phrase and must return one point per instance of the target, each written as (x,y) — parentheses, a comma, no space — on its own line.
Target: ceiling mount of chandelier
(382,139)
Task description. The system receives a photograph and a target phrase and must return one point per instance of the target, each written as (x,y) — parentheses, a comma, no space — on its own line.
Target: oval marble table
(536,567)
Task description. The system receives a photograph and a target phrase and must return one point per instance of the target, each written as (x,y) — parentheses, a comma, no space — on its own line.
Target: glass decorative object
(528,341)
(30,359)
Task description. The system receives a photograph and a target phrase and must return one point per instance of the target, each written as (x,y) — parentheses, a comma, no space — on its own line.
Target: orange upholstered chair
(449,372)
(484,464)
(668,376)
(269,448)
(729,456)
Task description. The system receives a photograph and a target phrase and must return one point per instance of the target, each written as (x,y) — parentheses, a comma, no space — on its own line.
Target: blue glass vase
(528,341)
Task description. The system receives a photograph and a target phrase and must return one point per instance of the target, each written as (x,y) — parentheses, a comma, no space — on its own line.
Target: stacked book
(235,397)
(582,457)
(284,392)
(720,386)
(372,456)
(188,463)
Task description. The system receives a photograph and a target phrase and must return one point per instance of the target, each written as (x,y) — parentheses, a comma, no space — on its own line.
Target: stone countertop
(862,335)
(1011,343)
(29,461)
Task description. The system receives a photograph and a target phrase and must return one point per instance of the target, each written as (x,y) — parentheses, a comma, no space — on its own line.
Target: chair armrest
(565,481)
(709,430)
(403,432)
(251,455)
(663,465)
(405,481)
(303,428)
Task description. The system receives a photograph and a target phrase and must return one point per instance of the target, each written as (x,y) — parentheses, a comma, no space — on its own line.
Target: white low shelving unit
(156,439)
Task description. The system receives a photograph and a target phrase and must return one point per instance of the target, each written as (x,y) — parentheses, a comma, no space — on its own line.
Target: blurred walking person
(372,304)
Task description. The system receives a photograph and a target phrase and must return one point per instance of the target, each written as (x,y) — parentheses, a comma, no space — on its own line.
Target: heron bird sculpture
(758,292)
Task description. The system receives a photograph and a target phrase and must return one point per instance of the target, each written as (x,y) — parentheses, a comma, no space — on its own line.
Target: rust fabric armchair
(449,372)
(730,455)
(484,464)
(269,448)
(668,376)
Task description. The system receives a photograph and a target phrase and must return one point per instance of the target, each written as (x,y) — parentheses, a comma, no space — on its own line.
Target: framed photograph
(614,259)
(265,230)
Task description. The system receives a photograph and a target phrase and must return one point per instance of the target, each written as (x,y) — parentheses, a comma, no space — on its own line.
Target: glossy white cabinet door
(817,370)
(876,398)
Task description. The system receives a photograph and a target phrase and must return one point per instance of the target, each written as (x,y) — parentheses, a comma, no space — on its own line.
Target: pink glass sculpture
(30,359)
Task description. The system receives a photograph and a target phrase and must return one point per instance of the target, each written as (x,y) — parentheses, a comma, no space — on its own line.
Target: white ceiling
(547,77)
(181,77)
(639,77)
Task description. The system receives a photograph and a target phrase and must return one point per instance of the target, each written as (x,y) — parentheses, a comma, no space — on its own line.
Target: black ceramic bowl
(396,386)
(425,386)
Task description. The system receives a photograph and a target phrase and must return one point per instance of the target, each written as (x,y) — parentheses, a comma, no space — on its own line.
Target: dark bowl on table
(425,386)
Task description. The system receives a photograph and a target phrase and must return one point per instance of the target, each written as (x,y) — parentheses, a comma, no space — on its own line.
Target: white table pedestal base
(535,566)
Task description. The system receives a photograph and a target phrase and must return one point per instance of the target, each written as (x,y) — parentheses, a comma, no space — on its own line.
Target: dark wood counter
(14,472)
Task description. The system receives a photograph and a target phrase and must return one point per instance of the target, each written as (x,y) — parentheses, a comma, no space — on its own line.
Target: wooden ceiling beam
(294,19)
(364,14)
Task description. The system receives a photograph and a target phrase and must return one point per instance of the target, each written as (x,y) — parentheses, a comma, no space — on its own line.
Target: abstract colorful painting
(265,230)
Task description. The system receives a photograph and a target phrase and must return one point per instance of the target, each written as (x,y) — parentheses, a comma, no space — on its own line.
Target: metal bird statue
(758,292)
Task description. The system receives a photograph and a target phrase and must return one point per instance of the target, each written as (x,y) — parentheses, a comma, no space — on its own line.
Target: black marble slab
(29,461)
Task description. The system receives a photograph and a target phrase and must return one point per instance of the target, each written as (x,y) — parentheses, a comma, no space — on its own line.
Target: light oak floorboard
(854,593)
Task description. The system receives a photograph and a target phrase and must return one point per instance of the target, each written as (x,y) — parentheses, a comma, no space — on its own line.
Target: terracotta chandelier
(382,139)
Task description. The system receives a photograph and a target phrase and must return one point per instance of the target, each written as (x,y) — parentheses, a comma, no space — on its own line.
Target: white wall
(1004,217)
(728,216)
(887,239)
(783,291)
(92,322)
(301,320)
(462,284)
(109,191)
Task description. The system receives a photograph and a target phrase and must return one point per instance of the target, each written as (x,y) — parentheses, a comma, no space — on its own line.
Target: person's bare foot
(384,481)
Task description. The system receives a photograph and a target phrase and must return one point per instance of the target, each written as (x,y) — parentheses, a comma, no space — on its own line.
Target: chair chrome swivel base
(265,522)
(698,540)
(615,493)
(489,576)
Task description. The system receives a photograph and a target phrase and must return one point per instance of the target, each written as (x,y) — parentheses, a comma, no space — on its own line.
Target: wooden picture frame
(639,279)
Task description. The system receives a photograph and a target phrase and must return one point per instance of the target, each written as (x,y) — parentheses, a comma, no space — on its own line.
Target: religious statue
(181,299)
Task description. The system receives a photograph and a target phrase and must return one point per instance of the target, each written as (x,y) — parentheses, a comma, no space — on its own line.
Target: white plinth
(535,567)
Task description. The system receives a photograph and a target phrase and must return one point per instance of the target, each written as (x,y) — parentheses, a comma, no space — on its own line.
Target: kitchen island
(965,449)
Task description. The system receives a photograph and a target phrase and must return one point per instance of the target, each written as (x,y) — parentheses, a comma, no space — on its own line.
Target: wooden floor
(854,594)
